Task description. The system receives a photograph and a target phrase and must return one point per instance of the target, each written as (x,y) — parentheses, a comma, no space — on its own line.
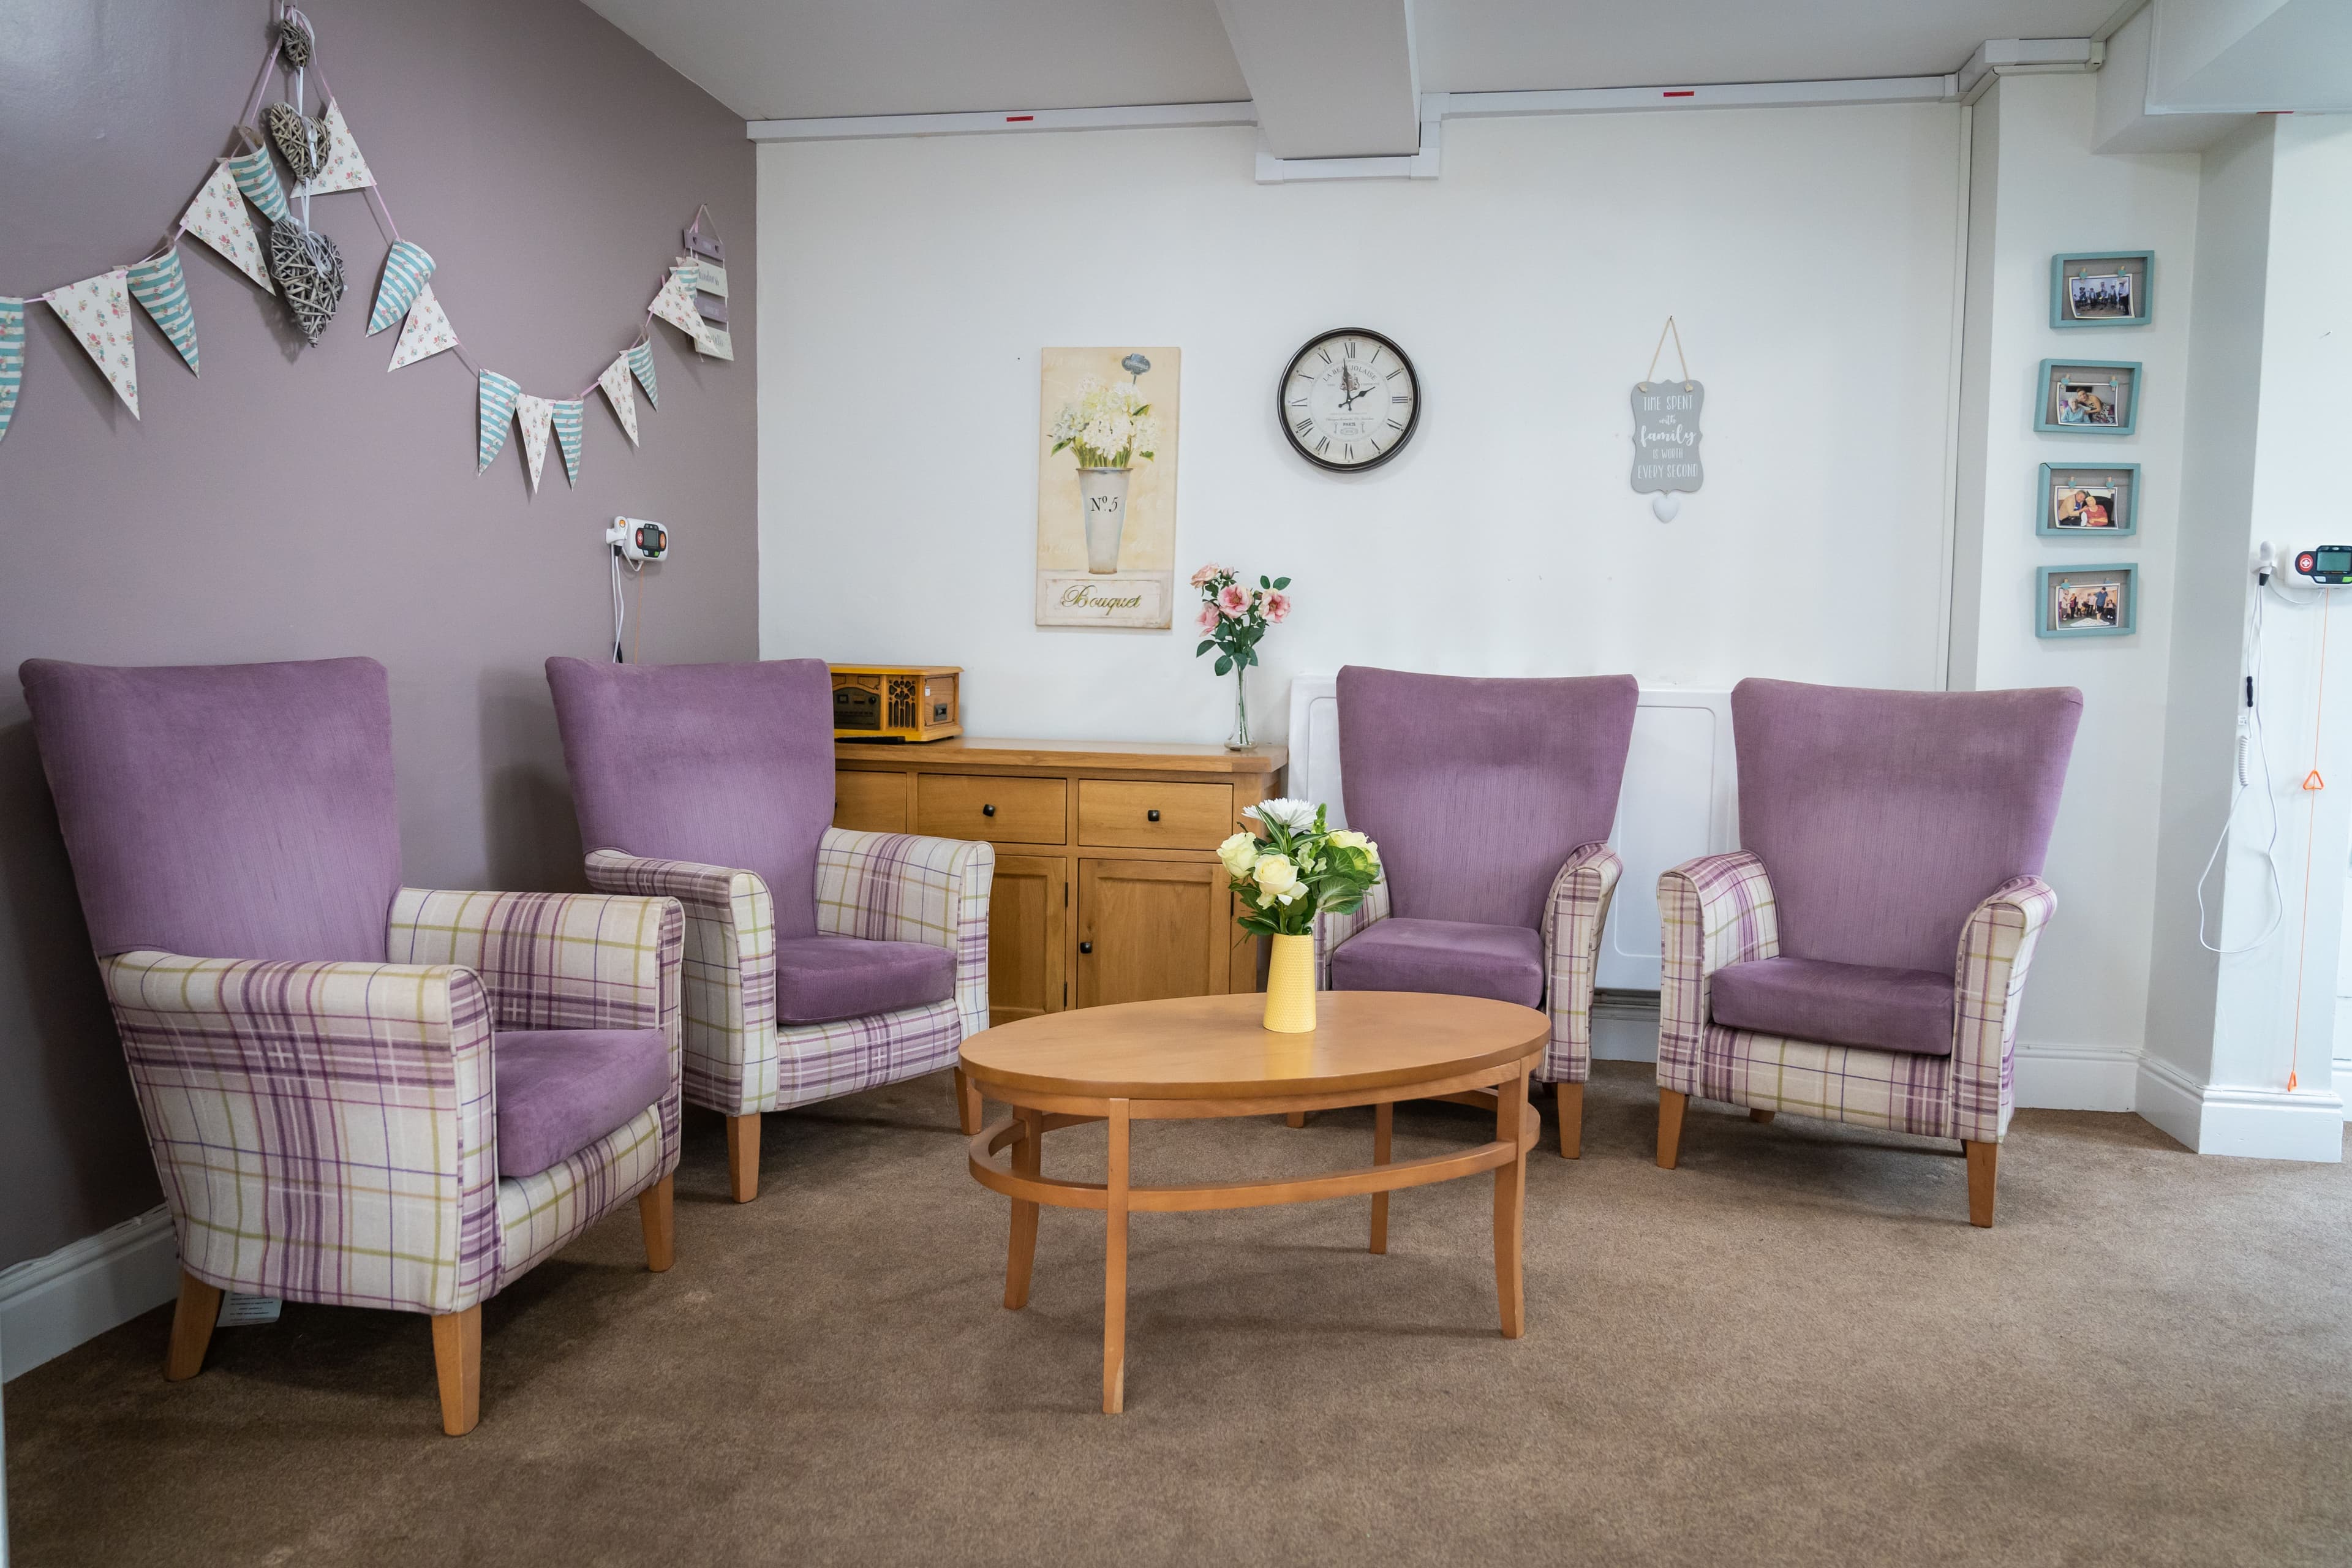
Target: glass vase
(1239,741)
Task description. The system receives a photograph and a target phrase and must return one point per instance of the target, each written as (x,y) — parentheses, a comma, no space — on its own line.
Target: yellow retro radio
(896,702)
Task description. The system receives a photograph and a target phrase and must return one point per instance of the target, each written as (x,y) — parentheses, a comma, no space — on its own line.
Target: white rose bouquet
(1294,866)
(1110,426)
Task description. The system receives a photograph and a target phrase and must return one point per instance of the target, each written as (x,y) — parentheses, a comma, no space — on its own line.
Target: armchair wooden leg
(655,1212)
(1571,1120)
(969,1108)
(1982,1160)
(192,1326)
(1761,1115)
(744,1156)
(458,1360)
(1671,1102)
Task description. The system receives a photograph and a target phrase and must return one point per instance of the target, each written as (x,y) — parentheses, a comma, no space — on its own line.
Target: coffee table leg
(1115,1265)
(1383,1121)
(1510,1206)
(1028,1160)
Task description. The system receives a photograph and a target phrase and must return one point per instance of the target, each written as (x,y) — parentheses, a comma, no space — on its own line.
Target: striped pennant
(533,413)
(615,383)
(162,289)
(641,361)
(405,268)
(675,303)
(12,358)
(256,176)
(569,415)
(499,395)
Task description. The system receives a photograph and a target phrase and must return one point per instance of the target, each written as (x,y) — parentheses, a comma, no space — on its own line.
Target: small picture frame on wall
(2089,501)
(2103,289)
(2086,601)
(2087,397)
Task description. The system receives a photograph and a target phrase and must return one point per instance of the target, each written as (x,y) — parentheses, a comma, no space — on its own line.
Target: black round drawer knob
(988,811)
(1152,815)
(1085,947)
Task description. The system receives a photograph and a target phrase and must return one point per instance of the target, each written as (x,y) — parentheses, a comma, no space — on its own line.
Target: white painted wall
(1809,255)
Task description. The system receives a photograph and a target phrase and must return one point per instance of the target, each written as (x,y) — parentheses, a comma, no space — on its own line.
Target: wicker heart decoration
(309,269)
(301,140)
(294,43)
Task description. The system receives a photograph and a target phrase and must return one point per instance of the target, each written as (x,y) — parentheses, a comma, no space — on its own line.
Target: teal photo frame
(2111,487)
(2084,288)
(2068,601)
(2087,397)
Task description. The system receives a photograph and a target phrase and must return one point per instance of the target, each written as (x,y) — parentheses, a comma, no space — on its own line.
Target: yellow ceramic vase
(1290,987)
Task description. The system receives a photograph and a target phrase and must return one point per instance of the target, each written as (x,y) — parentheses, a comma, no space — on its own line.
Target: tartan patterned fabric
(890,887)
(324,1131)
(1573,915)
(551,960)
(1574,912)
(539,1213)
(1717,912)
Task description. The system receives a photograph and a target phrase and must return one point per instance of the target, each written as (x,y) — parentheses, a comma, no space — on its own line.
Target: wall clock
(1349,400)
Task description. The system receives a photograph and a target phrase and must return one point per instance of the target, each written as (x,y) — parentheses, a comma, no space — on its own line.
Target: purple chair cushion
(224,811)
(1476,790)
(1454,958)
(1838,1004)
(562,1089)
(820,978)
(1885,818)
(725,764)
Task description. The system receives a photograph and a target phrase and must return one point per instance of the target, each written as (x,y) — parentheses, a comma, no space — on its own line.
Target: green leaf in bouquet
(1225,665)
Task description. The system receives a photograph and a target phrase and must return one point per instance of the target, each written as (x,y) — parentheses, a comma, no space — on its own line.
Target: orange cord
(2312,784)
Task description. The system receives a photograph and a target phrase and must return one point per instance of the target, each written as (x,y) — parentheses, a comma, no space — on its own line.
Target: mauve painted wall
(301,502)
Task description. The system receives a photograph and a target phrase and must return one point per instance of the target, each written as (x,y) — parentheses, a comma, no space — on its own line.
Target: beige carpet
(1795,1349)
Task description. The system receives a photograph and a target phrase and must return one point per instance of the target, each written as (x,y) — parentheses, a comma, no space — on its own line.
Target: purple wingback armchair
(818,963)
(1862,956)
(1491,802)
(356,1092)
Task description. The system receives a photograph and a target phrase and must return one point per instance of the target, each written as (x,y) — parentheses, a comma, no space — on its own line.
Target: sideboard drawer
(1155,815)
(1007,810)
(869,803)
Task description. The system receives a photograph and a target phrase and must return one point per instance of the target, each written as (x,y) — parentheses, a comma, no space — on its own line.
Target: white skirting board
(48,1305)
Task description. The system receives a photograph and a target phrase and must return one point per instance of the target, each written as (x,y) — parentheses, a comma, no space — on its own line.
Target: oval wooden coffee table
(1209,1056)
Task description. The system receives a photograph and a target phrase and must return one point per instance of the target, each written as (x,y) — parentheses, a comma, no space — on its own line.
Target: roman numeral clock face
(1349,400)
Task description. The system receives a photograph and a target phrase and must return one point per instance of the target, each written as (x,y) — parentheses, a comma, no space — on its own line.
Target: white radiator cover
(1680,800)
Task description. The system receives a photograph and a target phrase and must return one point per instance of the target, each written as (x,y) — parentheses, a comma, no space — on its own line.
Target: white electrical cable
(620,604)
(2252,734)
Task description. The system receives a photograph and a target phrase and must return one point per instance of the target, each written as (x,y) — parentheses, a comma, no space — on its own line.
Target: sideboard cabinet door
(1026,934)
(1150,929)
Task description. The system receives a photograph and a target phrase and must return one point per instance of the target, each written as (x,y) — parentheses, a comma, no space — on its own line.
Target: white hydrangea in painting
(1108,424)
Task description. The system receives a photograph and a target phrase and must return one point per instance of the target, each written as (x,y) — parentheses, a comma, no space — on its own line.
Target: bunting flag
(256,176)
(499,395)
(534,414)
(641,362)
(162,289)
(98,311)
(427,333)
(343,168)
(217,216)
(615,383)
(405,268)
(569,415)
(675,303)
(12,358)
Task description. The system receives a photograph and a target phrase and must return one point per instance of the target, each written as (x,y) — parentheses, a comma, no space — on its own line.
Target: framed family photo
(2087,397)
(2089,503)
(2106,289)
(2086,601)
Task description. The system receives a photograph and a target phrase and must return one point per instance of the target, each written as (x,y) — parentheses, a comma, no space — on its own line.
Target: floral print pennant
(98,311)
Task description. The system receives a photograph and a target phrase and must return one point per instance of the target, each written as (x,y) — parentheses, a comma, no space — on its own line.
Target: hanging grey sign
(1665,440)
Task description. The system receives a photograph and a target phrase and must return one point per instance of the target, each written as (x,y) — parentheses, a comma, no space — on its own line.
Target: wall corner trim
(48,1305)
(2249,1123)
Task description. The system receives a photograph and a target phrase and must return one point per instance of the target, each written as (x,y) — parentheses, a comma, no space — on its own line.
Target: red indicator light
(1018,119)
(1681,92)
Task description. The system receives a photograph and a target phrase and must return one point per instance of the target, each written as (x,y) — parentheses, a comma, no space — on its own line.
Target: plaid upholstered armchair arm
(729,969)
(900,887)
(1714,911)
(1332,929)
(553,961)
(325,1131)
(1996,950)
(1574,914)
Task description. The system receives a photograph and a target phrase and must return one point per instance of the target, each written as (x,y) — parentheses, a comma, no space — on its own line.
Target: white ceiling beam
(2251,56)
(1331,78)
(994,122)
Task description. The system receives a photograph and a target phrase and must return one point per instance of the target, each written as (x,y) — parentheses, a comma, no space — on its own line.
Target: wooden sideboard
(1107,884)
